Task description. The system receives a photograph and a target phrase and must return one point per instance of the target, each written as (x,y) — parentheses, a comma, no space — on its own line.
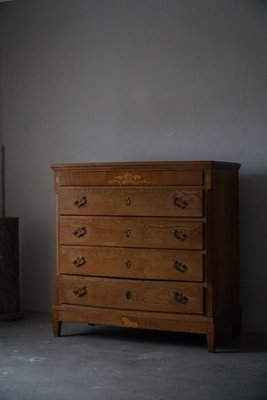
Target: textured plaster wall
(122,80)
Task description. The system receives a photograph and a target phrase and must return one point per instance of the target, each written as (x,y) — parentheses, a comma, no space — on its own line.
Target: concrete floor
(124,364)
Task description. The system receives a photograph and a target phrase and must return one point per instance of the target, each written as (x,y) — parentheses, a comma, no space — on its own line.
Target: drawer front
(132,263)
(176,202)
(135,232)
(132,294)
(150,176)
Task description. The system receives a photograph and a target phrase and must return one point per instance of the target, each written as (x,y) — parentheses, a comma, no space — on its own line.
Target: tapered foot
(211,340)
(57,325)
(57,328)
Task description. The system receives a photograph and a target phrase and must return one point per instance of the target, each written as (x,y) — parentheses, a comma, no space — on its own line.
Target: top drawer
(149,176)
(175,201)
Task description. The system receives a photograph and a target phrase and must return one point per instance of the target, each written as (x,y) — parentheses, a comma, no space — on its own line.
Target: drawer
(131,232)
(131,294)
(131,263)
(176,202)
(150,176)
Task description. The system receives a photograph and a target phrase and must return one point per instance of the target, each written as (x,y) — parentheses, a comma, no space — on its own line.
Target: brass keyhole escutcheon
(128,295)
(128,201)
(127,233)
(127,264)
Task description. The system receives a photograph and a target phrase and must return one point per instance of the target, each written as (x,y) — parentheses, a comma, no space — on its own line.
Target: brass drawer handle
(81,201)
(128,295)
(180,235)
(180,297)
(179,266)
(79,232)
(127,264)
(80,291)
(179,202)
(127,233)
(79,261)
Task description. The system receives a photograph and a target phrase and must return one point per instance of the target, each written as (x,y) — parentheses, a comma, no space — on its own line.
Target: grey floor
(108,363)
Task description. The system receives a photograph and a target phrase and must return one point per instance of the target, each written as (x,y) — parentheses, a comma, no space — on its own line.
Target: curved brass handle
(81,231)
(81,201)
(79,261)
(80,291)
(128,295)
(179,266)
(180,297)
(180,235)
(179,202)
(127,264)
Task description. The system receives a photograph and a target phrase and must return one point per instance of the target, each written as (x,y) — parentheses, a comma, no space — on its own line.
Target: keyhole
(127,233)
(128,295)
(127,264)
(128,201)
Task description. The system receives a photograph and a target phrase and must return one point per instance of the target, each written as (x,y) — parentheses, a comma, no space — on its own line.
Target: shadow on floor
(246,343)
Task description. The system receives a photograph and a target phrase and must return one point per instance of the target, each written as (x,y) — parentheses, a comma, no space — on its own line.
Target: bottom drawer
(131,294)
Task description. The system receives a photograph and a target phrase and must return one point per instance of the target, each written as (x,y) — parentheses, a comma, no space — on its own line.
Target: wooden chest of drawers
(148,245)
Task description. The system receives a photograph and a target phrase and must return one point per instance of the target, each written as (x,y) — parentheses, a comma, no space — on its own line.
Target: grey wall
(1,108)
(118,80)
(1,74)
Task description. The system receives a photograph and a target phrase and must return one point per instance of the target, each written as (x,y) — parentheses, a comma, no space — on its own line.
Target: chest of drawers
(148,245)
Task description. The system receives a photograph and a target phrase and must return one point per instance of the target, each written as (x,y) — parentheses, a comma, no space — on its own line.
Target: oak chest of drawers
(148,245)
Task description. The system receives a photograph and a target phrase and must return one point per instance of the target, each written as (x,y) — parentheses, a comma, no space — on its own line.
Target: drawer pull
(79,261)
(128,201)
(80,291)
(179,266)
(128,295)
(127,264)
(81,231)
(180,297)
(180,235)
(179,202)
(81,201)
(127,233)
